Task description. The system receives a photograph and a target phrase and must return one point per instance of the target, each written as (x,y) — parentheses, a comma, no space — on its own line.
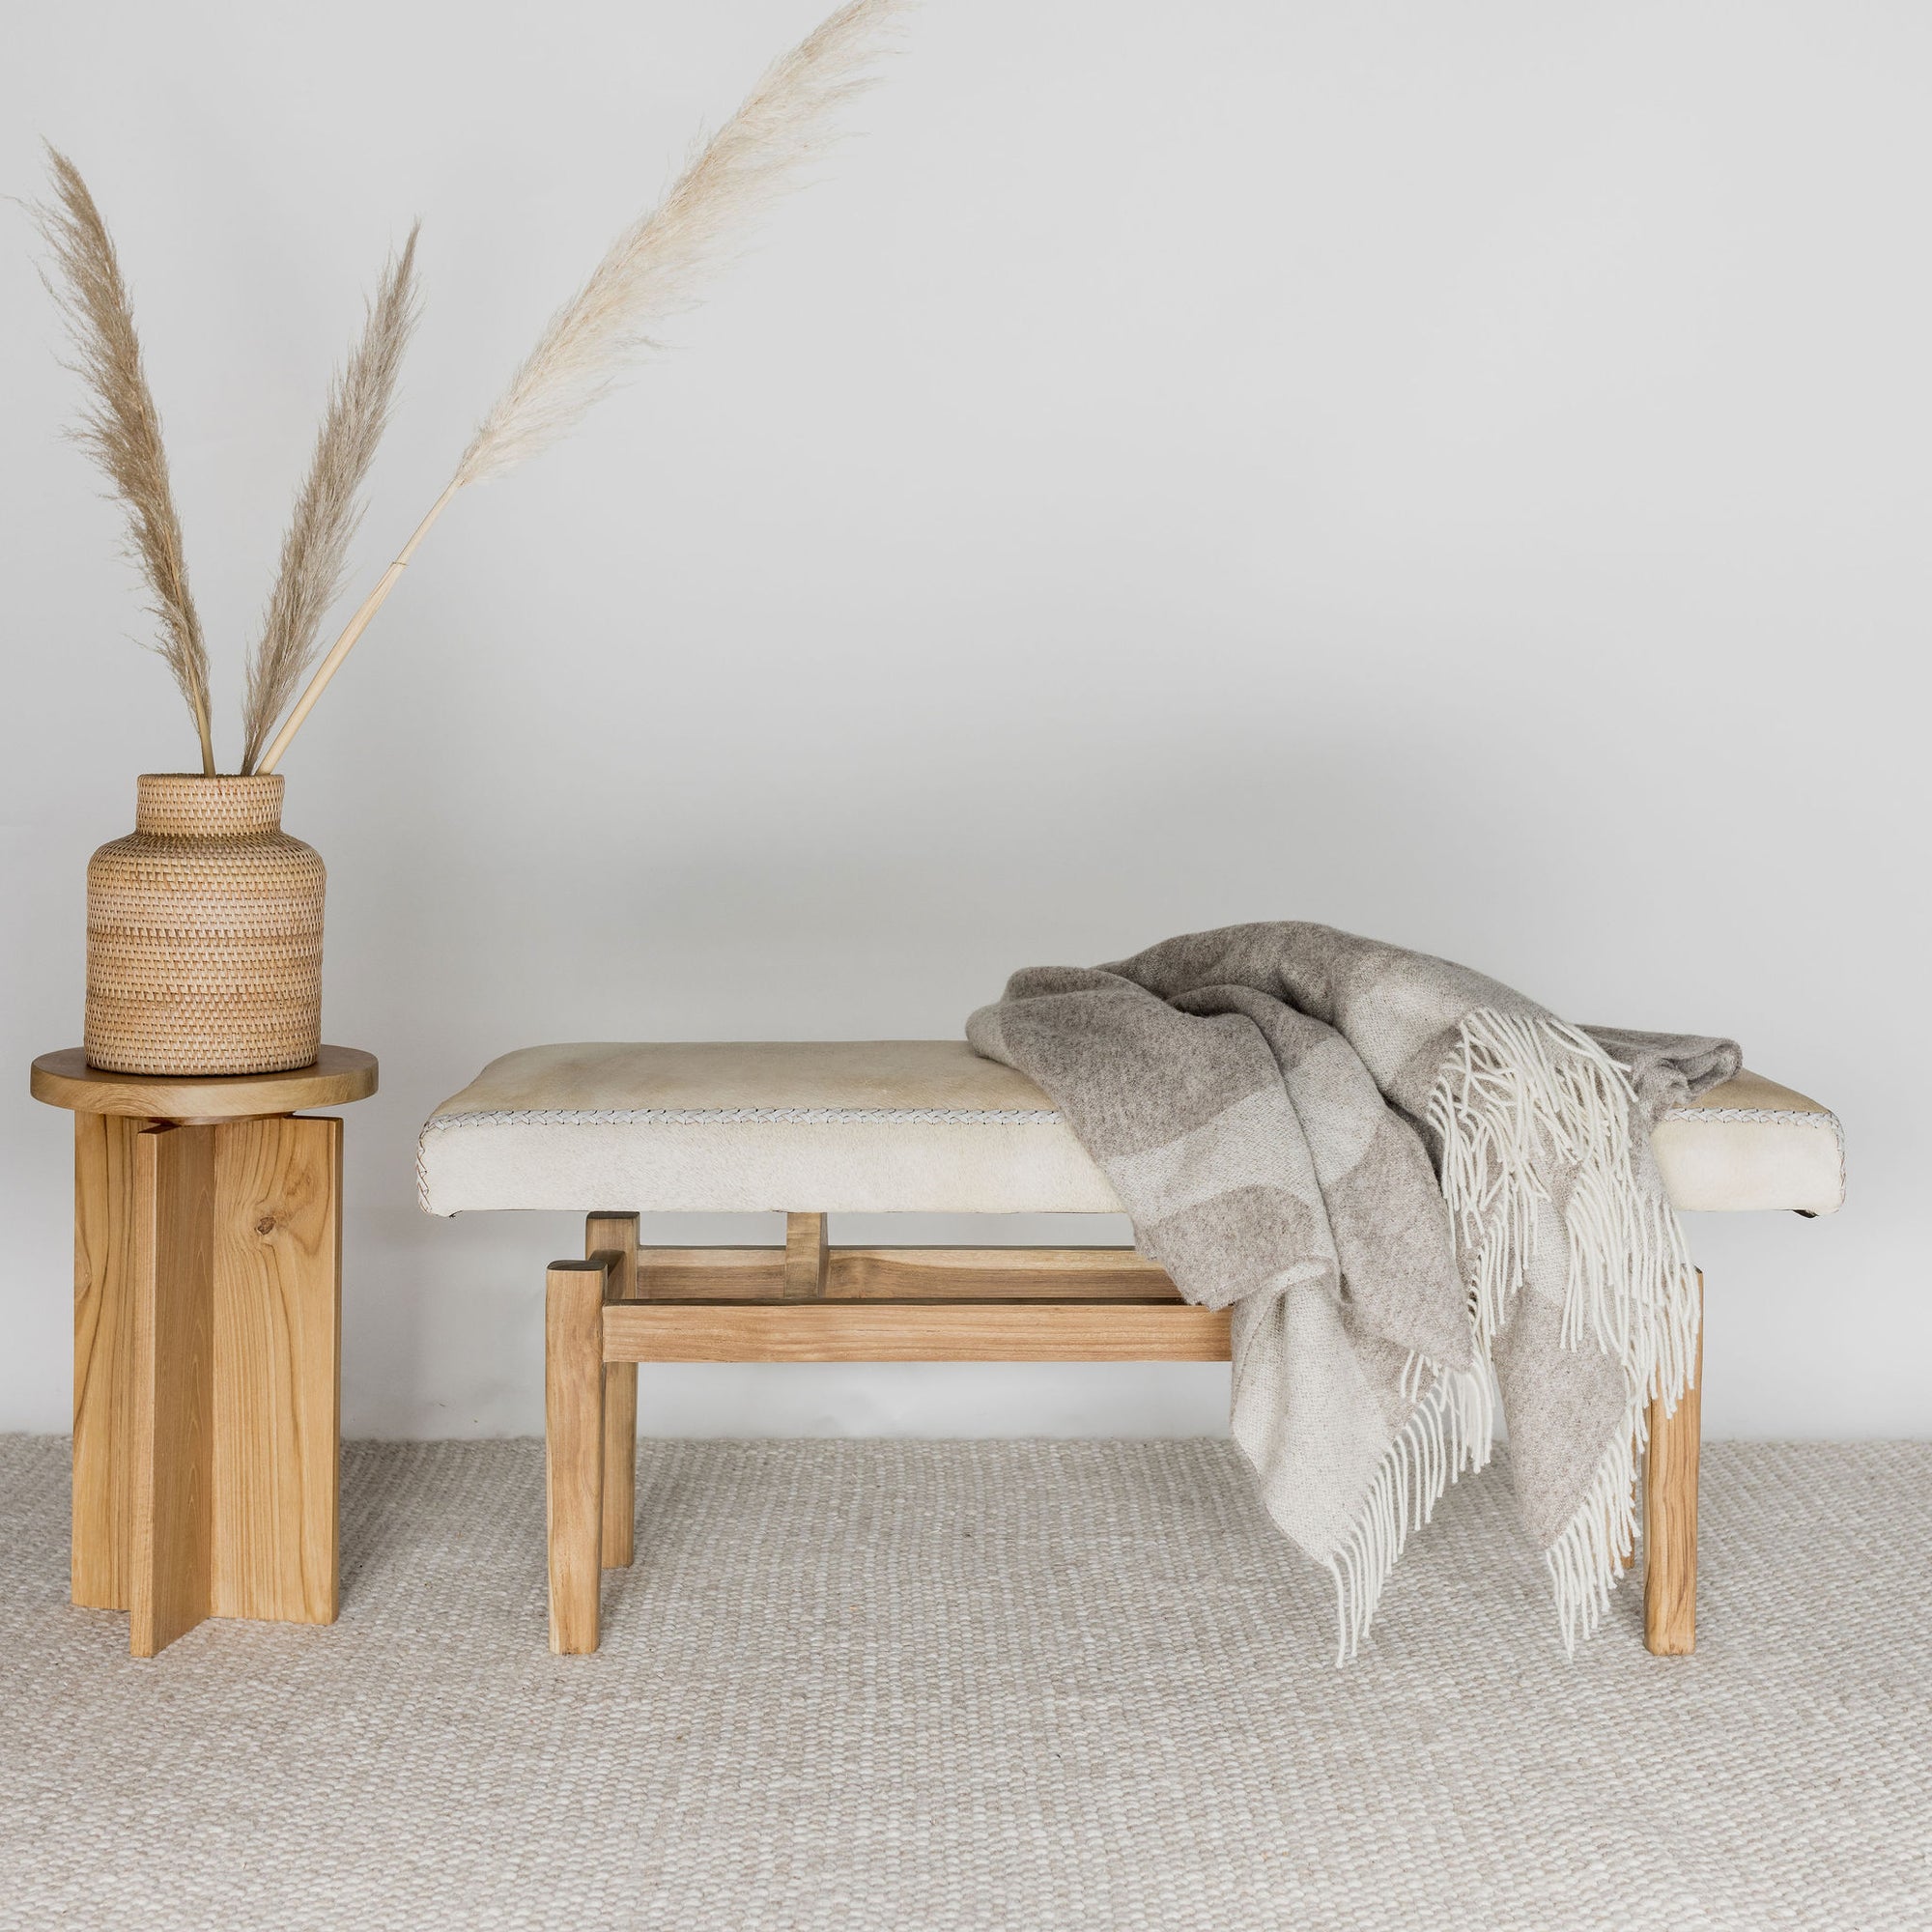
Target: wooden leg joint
(612,1239)
(807,1260)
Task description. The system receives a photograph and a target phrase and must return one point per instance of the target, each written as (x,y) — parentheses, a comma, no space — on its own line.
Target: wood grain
(574,1450)
(173,1425)
(806,1257)
(1670,1517)
(104,1359)
(910,1274)
(612,1239)
(711,1274)
(339,1075)
(997,1274)
(278,1324)
(907,1331)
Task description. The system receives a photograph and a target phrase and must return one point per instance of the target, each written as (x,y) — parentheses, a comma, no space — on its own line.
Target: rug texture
(1411,1186)
(902,1686)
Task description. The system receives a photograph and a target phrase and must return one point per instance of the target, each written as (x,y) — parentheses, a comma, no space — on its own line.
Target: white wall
(1455,473)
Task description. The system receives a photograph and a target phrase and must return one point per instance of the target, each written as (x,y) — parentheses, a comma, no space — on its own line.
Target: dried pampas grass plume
(121,429)
(660,266)
(328,509)
(655,269)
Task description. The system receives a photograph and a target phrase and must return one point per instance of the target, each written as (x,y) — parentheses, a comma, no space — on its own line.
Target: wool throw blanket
(1416,1190)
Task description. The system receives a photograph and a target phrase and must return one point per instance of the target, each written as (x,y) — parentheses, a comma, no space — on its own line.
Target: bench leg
(614,1238)
(574,1449)
(1670,1518)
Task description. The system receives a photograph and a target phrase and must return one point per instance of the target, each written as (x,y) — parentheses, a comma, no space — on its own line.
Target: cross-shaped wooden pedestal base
(207,1340)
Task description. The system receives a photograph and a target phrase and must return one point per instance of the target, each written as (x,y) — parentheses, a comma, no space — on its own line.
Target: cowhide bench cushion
(923,1126)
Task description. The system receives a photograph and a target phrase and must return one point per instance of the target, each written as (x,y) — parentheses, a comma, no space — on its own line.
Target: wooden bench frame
(811,1302)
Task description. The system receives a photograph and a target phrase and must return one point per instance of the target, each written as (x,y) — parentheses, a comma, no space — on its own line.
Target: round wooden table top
(337,1076)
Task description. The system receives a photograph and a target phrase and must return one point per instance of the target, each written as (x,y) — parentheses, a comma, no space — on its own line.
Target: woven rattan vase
(204,934)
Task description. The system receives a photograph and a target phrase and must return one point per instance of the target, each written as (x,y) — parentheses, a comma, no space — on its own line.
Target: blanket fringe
(1448,1431)
(1596,1545)
(1522,1100)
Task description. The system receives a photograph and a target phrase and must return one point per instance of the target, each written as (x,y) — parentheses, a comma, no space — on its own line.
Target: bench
(820,1127)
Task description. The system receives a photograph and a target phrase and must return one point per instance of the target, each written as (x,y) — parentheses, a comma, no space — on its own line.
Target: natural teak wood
(208,1272)
(1670,1517)
(612,1239)
(574,1449)
(909,1274)
(807,1302)
(997,1274)
(104,1259)
(915,1331)
(339,1075)
(170,1558)
(806,1258)
(277,1368)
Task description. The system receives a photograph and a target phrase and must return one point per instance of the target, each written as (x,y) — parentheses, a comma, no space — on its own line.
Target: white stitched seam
(944,1117)
(707,1117)
(1757,1116)
(958,1117)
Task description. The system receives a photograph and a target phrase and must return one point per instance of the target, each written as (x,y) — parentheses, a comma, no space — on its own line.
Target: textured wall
(1454,472)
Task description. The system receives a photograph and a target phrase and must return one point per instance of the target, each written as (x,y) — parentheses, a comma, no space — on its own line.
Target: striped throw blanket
(1416,1190)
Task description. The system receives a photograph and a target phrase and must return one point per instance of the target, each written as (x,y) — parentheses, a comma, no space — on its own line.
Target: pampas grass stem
(350,631)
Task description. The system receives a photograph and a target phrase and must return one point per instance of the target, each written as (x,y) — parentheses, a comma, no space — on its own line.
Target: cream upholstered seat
(926,1127)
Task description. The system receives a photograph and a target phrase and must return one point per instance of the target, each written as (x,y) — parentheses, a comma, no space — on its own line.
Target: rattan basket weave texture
(204,934)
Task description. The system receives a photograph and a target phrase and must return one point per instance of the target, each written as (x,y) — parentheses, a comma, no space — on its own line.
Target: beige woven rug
(915,1686)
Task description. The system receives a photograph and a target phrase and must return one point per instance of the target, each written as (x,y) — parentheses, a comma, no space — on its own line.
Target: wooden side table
(207,1340)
